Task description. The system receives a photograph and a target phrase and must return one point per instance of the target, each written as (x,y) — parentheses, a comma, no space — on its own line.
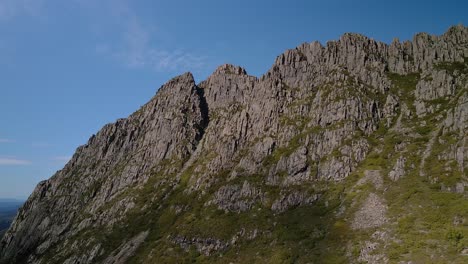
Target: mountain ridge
(310,144)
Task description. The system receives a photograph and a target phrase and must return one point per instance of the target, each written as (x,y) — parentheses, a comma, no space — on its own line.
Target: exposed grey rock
(161,129)
(85,258)
(398,170)
(460,187)
(366,254)
(293,199)
(205,246)
(372,176)
(427,152)
(126,250)
(235,198)
(438,84)
(314,117)
(371,214)
(294,166)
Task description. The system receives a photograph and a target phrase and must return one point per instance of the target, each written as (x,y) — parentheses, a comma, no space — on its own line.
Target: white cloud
(136,46)
(6,161)
(161,60)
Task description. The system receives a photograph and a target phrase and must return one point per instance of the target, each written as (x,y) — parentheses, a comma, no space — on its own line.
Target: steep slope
(350,152)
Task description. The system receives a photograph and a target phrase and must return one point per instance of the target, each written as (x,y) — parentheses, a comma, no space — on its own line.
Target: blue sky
(69,67)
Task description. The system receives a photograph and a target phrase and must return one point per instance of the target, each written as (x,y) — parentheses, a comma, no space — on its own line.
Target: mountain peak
(316,160)
(230,69)
(186,77)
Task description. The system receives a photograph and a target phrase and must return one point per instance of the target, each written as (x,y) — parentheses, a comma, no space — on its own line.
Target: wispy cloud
(11,161)
(138,52)
(160,60)
(62,158)
(6,140)
(13,8)
(137,45)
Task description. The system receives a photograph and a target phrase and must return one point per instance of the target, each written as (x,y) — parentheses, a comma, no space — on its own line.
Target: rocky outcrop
(398,170)
(120,155)
(374,177)
(287,201)
(260,152)
(371,214)
(126,250)
(234,198)
(205,246)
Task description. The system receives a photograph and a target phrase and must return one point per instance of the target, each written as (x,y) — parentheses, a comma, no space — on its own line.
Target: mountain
(8,210)
(349,152)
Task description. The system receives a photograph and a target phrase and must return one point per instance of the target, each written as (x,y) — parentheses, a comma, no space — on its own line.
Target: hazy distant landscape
(8,209)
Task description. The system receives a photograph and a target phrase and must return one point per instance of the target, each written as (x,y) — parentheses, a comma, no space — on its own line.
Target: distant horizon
(13,199)
(69,68)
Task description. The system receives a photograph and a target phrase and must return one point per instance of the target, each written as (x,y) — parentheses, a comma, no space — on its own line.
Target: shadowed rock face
(304,163)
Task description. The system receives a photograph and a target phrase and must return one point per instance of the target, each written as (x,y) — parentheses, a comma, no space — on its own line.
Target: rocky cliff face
(355,151)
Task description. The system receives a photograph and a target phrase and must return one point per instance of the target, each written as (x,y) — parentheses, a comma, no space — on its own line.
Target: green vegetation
(284,151)
(426,220)
(404,86)
(423,218)
(451,67)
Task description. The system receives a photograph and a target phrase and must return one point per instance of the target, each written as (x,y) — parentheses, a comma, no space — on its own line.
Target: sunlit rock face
(344,152)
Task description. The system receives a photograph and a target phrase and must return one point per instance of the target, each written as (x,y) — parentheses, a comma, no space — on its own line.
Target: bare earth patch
(371,214)
(372,176)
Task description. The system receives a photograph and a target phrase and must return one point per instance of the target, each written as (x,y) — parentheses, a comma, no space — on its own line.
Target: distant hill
(8,209)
